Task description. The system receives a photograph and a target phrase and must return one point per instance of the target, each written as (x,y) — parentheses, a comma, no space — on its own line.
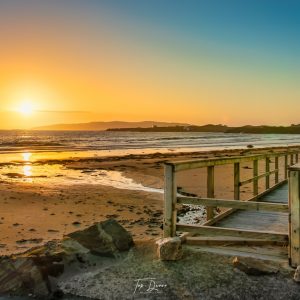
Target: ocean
(135,142)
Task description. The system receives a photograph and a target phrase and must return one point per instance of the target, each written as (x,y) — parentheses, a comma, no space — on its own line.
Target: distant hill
(101,126)
(177,128)
(293,129)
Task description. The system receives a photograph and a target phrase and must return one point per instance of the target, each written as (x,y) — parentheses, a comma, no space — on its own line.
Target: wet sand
(34,211)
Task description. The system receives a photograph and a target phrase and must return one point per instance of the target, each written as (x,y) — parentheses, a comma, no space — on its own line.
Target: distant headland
(293,129)
(152,126)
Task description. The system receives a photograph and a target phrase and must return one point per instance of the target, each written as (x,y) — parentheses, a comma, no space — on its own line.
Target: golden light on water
(26,156)
(27,170)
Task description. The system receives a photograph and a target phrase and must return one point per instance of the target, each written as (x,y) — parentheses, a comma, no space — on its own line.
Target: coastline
(36,210)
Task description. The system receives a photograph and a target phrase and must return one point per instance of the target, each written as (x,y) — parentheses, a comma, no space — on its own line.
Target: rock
(297,274)
(22,276)
(254,267)
(36,271)
(104,238)
(169,248)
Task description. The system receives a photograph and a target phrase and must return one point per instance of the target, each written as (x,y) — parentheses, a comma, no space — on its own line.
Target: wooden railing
(294,219)
(172,200)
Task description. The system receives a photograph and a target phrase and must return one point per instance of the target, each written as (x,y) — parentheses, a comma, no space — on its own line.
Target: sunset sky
(196,61)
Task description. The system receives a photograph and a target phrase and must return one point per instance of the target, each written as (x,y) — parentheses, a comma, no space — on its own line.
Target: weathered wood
(247,205)
(232,210)
(286,166)
(267,161)
(226,241)
(294,223)
(255,179)
(219,217)
(210,191)
(236,180)
(217,231)
(277,169)
(170,214)
(200,163)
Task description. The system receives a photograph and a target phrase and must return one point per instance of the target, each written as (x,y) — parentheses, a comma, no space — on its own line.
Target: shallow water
(56,174)
(105,143)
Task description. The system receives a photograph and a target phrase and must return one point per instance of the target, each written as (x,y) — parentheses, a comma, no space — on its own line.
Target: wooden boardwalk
(258,221)
(261,220)
(265,226)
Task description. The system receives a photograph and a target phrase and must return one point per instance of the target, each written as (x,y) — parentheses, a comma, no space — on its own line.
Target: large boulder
(21,276)
(36,271)
(106,238)
(169,248)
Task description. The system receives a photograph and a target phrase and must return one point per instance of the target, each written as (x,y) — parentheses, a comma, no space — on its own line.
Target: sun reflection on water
(26,156)
(27,171)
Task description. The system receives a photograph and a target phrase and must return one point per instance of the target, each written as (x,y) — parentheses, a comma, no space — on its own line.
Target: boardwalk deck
(265,226)
(260,221)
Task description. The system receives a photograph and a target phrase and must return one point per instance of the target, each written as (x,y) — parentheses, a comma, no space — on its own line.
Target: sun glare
(26,109)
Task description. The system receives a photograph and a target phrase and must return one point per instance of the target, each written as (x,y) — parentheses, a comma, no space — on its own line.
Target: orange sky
(74,64)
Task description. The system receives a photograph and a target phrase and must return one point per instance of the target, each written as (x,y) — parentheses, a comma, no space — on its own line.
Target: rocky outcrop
(34,271)
(105,238)
(22,275)
(169,248)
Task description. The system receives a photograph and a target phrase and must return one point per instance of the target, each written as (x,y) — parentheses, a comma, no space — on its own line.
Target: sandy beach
(37,209)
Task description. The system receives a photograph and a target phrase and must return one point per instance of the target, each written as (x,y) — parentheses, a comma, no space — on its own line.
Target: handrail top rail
(295,167)
(206,162)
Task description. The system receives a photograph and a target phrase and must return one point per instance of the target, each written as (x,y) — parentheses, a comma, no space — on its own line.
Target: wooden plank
(255,180)
(285,166)
(236,180)
(217,231)
(256,220)
(210,191)
(238,204)
(226,241)
(277,169)
(294,224)
(170,214)
(219,217)
(232,210)
(200,163)
(267,161)
(257,177)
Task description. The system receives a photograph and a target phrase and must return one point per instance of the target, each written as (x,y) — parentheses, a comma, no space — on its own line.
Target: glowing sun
(26,109)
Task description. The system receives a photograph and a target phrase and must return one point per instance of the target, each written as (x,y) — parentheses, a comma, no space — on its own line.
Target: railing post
(285,166)
(170,199)
(237,181)
(276,168)
(297,157)
(210,191)
(294,220)
(267,171)
(255,180)
(292,159)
